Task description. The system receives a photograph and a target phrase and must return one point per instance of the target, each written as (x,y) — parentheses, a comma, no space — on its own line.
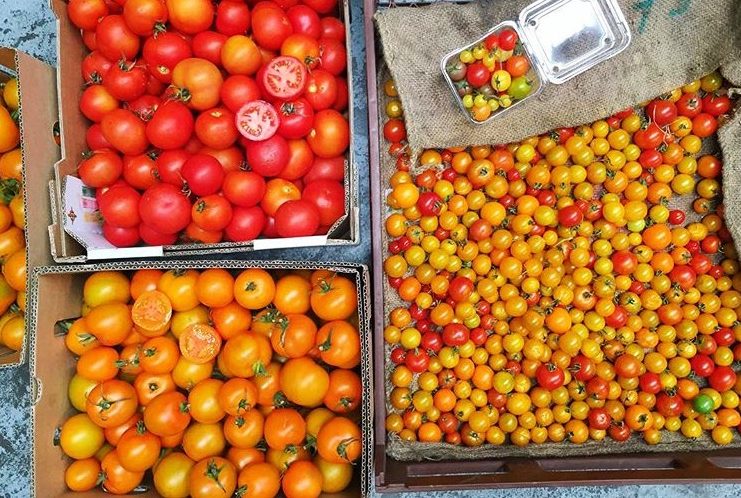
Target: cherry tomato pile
(213,121)
(213,383)
(12,223)
(577,285)
(491,75)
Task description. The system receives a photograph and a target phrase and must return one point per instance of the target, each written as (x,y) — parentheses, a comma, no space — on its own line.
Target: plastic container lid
(567,37)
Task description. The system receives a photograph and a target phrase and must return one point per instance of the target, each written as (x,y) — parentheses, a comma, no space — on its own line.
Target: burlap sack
(674,42)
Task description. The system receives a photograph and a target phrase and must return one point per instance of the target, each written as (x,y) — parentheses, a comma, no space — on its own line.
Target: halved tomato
(257,120)
(151,312)
(200,343)
(284,77)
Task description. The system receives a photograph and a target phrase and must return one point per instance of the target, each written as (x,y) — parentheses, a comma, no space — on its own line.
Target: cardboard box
(57,295)
(38,116)
(78,238)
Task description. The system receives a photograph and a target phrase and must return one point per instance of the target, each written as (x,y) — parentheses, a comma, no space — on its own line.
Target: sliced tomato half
(284,77)
(257,120)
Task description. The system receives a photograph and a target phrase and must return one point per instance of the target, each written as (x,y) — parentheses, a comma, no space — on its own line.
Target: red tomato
(243,188)
(94,67)
(268,157)
(662,112)
(329,169)
(284,77)
(722,379)
(669,405)
(394,130)
(507,39)
(716,105)
(334,55)
(676,217)
(477,75)
(330,136)
(142,16)
(570,216)
(297,219)
(650,382)
(212,213)
(115,40)
(119,236)
(164,209)
(650,137)
(333,28)
(257,120)
(203,174)
(209,45)
(599,419)
(238,89)
(171,126)
(296,118)
(100,169)
(85,14)
(689,104)
(270,26)
(119,206)
(246,224)
(125,131)
(299,161)
(139,171)
(232,18)
(704,125)
(329,198)
(144,106)
(684,275)
(169,163)
(96,102)
(304,20)
(321,89)
(702,365)
(216,129)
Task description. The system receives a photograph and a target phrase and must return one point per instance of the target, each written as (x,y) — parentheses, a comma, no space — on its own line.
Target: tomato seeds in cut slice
(257,120)
(284,77)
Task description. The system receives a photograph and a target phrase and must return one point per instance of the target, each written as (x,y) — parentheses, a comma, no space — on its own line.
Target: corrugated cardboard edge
(362,281)
(345,231)
(38,113)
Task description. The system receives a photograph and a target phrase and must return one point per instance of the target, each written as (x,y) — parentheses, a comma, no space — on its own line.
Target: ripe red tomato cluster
(213,121)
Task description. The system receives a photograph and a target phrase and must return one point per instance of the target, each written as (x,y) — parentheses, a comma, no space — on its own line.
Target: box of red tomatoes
(28,103)
(201,127)
(202,379)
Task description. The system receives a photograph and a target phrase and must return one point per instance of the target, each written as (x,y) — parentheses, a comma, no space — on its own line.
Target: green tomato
(480,100)
(468,101)
(520,88)
(703,403)
(494,104)
(505,101)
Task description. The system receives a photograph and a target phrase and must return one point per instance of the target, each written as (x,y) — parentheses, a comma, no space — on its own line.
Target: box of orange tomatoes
(201,127)
(202,379)
(28,103)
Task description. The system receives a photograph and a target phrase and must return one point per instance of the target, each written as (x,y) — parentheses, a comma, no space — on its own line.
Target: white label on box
(314,240)
(82,221)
